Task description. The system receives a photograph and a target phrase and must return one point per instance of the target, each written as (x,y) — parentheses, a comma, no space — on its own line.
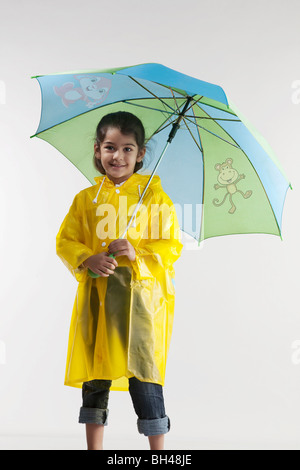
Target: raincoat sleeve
(163,245)
(70,242)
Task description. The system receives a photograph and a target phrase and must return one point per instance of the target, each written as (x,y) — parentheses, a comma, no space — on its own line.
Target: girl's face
(118,154)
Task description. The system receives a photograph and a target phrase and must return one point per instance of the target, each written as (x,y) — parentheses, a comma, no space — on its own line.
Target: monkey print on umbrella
(228,178)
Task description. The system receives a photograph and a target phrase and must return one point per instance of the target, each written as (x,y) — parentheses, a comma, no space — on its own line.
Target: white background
(233,378)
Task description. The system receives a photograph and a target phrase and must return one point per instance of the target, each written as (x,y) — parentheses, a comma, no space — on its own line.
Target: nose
(117,155)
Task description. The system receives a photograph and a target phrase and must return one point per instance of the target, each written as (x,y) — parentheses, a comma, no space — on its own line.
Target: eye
(109,147)
(128,149)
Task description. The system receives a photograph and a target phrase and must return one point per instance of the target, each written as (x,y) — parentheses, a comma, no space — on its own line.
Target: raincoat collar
(134,180)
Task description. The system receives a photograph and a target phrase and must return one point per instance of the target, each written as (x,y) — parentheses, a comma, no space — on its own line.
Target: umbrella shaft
(176,124)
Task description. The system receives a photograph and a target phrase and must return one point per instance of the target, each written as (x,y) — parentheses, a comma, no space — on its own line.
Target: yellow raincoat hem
(115,387)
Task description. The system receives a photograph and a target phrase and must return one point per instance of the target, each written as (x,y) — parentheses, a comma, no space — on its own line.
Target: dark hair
(127,123)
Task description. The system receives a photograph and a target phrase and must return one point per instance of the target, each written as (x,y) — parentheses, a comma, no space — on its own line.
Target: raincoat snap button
(103,244)
(117,191)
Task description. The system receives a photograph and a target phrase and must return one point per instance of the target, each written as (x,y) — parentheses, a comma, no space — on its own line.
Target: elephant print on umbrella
(228,178)
(92,90)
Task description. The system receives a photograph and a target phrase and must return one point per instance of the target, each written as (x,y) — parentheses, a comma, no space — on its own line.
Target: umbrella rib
(174,98)
(153,94)
(159,129)
(180,92)
(203,183)
(173,113)
(147,107)
(216,135)
(200,117)
(216,107)
(150,98)
(192,135)
(198,133)
(213,119)
(208,117)
(190,107)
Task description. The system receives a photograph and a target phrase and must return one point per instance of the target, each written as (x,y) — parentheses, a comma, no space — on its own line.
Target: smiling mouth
(117,166)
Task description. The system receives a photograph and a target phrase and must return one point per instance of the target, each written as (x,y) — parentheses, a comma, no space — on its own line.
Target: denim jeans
(147,399)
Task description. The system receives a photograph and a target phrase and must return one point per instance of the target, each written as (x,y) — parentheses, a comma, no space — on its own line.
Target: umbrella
(224,178)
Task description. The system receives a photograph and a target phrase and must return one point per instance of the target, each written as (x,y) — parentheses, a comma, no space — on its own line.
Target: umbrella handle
(94,275)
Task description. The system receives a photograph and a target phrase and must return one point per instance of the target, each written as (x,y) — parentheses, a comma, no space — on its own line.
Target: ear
(141,155)
(229,161)
(217,166)
(97,150)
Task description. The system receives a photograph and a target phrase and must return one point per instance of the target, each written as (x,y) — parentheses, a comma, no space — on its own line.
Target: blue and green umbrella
(221,175)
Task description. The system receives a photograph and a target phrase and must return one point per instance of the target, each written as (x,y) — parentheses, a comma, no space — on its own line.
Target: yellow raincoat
(121,325)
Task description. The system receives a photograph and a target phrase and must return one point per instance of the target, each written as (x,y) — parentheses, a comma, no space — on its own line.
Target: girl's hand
(122,247)
(101,264)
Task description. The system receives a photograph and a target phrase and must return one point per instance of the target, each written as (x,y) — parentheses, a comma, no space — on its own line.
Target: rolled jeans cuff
(93,416)
(153,427)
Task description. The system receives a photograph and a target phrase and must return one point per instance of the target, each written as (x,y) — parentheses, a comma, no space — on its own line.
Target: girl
(123,312)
